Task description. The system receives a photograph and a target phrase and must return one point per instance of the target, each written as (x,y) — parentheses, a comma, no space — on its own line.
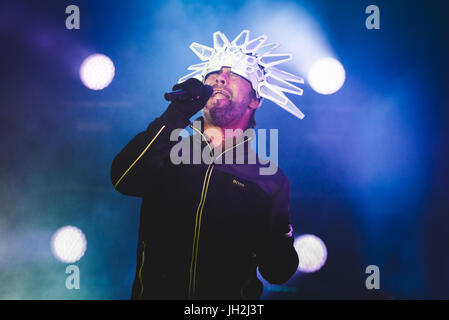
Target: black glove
(199,94)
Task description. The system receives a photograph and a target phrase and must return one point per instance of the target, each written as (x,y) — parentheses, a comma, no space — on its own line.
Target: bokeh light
(97,71)
(312,253)
(326,75)
(68,244)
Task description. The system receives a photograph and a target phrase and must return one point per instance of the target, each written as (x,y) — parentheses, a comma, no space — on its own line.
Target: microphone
(176,95)
(181,95)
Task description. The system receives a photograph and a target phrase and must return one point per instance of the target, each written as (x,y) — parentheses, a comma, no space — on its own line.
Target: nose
(222,78)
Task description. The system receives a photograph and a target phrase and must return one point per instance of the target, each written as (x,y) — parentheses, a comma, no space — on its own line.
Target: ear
(254,103)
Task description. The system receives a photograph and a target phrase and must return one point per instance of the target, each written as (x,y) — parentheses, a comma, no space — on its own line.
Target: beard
(223,114)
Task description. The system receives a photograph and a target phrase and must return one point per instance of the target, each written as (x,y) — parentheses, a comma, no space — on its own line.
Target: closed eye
(216,73)
(212,74)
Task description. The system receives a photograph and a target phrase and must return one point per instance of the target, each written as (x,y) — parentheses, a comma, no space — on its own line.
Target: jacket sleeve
(278,260)
(139,162)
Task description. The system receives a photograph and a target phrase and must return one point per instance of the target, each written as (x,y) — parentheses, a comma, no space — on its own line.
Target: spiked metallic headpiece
(252,60)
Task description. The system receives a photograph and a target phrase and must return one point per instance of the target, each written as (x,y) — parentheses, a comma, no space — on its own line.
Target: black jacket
(204,228)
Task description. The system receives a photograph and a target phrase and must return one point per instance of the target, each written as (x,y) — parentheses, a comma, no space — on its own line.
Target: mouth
(221,94)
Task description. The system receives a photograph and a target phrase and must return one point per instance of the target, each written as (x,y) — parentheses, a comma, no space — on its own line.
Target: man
(206,226)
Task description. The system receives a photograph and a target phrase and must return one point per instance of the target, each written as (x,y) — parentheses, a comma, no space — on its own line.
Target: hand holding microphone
(189,96)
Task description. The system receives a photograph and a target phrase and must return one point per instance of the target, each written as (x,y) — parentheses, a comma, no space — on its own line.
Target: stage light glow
(326,75)
(97,71)
(68,244)
(312,253)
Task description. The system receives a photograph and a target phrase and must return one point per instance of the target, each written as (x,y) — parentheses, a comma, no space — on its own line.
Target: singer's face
(231,97)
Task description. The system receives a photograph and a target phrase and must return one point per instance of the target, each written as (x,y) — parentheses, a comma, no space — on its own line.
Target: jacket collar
(241,143)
